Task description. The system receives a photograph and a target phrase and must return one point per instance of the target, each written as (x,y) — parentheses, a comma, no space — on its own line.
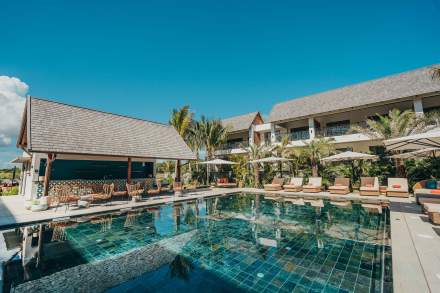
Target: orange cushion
(435,191)
(396,186)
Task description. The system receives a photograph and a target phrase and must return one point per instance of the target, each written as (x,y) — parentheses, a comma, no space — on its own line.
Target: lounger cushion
(338,187)
(432,207)
(431,184)
(368,189)
(272,185)
(292,186)
(392,189)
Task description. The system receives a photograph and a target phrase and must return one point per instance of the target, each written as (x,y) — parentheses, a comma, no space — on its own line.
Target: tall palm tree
(315,150)
(256,152)
(281,150)
(214,135)
(181,121)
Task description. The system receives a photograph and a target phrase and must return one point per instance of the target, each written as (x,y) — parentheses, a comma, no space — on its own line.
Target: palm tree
(282,151)
(255,152)
(214,135)
(435,73)
(181,121)
(315,150)
(393,125)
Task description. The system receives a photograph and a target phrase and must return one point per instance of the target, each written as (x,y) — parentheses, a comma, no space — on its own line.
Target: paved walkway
(415,241)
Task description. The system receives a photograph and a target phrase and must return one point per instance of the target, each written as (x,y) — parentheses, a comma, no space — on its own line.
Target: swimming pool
(234,243)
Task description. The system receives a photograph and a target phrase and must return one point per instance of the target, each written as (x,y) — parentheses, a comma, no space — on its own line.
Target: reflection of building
(331,114)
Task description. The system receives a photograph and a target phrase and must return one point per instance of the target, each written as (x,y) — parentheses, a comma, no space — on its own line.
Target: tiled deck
(415,241)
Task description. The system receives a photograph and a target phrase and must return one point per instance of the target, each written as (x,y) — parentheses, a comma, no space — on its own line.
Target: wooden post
(129,171)
(50,159)
(178,171)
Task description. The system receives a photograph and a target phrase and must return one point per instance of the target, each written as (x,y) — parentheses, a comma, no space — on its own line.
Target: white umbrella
(269,160)
(349,156)
(414,142)
(215,162)
(421,153)
(218,162)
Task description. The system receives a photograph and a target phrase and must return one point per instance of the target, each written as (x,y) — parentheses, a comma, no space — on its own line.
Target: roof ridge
(357,84)
(254,112)
(99,111)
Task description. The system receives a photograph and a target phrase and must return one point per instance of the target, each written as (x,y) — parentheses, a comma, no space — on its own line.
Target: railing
(236,144)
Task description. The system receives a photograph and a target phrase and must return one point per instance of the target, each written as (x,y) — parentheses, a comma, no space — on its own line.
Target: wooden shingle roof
(52,127)
(240,123)
(388,89)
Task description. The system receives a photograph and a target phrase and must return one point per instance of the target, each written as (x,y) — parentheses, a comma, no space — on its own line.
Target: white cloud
(12,99)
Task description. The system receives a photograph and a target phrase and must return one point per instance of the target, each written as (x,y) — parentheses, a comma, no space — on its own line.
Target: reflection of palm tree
(181,267)
(190,217)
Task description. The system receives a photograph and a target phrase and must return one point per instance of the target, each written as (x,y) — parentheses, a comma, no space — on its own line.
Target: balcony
(233,147)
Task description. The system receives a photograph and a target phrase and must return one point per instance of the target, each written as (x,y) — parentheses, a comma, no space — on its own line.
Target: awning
(414,142)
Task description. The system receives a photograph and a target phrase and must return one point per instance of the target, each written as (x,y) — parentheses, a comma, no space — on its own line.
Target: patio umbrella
(270,160)
(419,153)
(349,156)
(414,142)
(215,162)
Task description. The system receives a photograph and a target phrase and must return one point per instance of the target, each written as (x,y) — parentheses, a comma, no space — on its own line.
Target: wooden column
(178,171)
(129,171)
(50,159)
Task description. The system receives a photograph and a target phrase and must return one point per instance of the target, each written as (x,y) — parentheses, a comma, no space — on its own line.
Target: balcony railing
(236,144)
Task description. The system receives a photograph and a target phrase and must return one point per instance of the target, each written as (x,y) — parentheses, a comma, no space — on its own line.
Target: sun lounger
(369,186)
(294,185)
(276,185)
(397,187)
(433,211)
(422,191)
(342,186)
(314,185)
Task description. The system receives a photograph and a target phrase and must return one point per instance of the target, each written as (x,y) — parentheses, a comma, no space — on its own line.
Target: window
(300,133)
(338,128)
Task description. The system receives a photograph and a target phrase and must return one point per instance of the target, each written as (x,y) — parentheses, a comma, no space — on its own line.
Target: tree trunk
(256,175)
(315,170)
(400,168)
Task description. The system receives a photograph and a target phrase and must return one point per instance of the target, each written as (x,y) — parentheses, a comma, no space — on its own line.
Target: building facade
(332,114)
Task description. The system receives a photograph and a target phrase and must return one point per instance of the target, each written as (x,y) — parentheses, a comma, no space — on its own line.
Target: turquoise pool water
(237,243)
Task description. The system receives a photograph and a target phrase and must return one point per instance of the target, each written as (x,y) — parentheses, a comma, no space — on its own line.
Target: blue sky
(143,58)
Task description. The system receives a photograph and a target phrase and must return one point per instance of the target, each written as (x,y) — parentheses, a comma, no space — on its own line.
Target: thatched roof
(52,127)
